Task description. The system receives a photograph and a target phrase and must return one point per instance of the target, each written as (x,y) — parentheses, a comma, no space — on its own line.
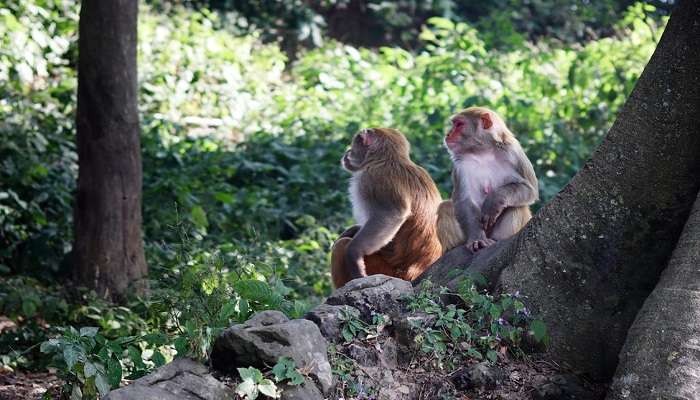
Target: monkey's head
(373,145)
(475,129)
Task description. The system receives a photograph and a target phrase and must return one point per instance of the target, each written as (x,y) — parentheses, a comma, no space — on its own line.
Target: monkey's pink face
(459,133)
(464,135)
(355,156)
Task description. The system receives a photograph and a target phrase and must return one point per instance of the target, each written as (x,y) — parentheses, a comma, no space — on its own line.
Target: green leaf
(248,388)
(492,356)
(76,393)
(88,331)
(199,217)
(539,330)
(114,372)
(89,369)
(71,354)
(102,385)
(156,339)
(250,373)
(182,346)
(268,388)
(135,356)
(158,358)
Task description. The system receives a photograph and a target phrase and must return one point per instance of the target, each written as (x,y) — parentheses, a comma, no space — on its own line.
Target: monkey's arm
(520,192)
(469,216)
(381,227)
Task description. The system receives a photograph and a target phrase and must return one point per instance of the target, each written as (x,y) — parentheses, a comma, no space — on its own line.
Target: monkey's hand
(480,242)
(490,211)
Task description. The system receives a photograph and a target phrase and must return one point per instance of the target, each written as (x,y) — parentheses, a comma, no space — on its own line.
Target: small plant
(91,364)
(255,383)
(353,327)
(484,327)
(286,370)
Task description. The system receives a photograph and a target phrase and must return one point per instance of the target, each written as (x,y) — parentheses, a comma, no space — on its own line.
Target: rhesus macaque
(394,202)
(494,182)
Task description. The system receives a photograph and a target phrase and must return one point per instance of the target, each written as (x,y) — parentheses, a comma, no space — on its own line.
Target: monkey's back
(416,245)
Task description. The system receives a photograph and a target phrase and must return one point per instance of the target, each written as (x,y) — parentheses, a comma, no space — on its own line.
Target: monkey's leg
(510,222)
(339,274)
(376,264)
(373,235)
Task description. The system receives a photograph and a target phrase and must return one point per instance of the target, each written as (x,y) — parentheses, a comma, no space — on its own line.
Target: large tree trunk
(108,244)
(661,356)
(590,257)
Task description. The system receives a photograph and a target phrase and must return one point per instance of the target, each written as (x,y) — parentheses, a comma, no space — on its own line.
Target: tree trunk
(590,257)
(661,356)
(108,244)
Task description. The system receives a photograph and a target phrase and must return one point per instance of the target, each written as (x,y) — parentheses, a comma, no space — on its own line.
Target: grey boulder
(182,379)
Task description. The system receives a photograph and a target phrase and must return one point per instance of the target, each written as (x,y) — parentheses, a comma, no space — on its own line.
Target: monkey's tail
(449,232)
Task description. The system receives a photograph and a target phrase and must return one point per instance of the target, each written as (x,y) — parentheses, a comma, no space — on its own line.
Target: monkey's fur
(394,203)
(494,182)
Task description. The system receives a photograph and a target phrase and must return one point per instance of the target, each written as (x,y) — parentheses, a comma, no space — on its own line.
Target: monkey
(494,182)
(394,203)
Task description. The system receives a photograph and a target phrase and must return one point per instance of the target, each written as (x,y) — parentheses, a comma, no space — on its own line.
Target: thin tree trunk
(108,244)
(661,356)
(590,257)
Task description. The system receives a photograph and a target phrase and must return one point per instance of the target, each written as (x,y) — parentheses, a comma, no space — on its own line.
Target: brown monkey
(394,202)
(494,182)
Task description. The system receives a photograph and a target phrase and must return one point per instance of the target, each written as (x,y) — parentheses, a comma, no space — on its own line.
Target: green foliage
(90,364)
(243,195)
(482,327)
(254,382)
(286,370)
(353,327)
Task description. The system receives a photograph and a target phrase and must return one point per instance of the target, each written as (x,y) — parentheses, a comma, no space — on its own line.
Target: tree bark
(108,245)
(590,257)
(661,356)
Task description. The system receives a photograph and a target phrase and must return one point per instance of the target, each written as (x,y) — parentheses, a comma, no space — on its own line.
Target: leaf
(199,217)
(268,388)
(250,373)
(539,330)
(76,393)
(88,331)
(492,356)
(114,372)
(48,346)
(247,388)
(156,339)
(102,385)
(89,369)
(182,346)
(158,358)
(71,354)
(135,357)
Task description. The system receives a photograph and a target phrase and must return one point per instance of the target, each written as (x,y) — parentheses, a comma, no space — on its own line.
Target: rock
(374,293)
(407,326)
(483,376)
(327,318)
(305,391)
(562,387)
(366,357)
(182,379)
(268,336)
(388,355)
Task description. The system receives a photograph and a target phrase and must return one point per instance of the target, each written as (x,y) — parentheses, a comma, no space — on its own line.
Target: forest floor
(29,385)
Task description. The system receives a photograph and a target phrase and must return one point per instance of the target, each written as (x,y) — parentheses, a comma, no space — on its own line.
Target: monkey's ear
(486,120)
